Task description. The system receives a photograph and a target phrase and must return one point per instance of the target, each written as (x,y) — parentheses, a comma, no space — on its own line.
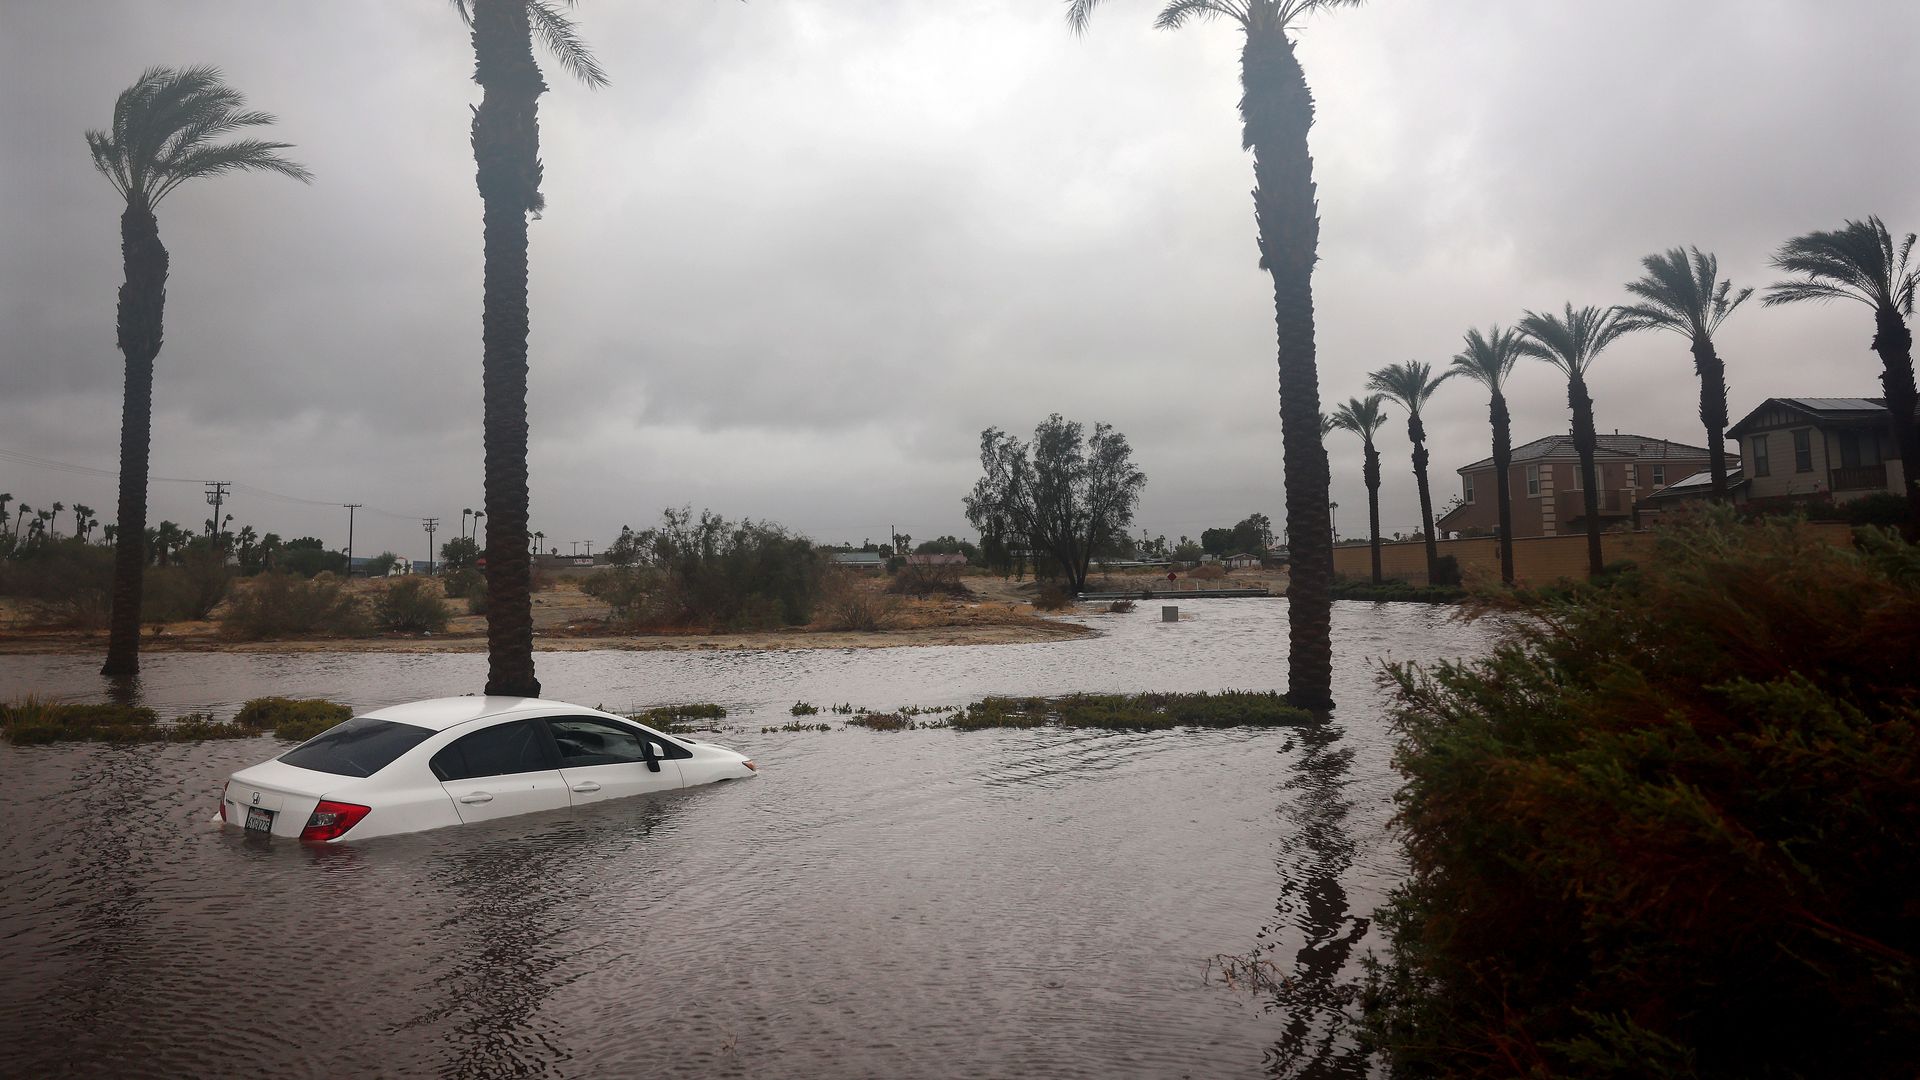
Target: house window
(1659,476)
(1803,450)
(1759,455)
(1469,486)
(1575,470)
(1533,479)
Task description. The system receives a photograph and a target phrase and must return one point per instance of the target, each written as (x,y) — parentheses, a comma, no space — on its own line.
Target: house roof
(1814,409)
(858,558)
(1698,485)
(1616,447)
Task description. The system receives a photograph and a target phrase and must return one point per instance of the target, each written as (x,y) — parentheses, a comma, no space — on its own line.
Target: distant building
(1802,448)
(859,560)
(1240,561)
(1544,481)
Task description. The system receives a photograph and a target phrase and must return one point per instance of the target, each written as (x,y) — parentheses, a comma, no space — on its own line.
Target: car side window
(585,740)
(520,746)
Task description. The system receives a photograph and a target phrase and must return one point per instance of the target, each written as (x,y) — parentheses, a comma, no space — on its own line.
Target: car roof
(439,714)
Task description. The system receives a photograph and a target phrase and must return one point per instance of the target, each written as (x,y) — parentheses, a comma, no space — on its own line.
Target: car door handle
(586,786)
(476,797)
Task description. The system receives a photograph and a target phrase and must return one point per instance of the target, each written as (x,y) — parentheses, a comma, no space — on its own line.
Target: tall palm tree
(1488,359)
(1681,291)
(1409,385)
(52,524)
(1571,343)
(1276,112)
(1364,417)
(1860,262)
(506,153)
(83,522)
(163,135)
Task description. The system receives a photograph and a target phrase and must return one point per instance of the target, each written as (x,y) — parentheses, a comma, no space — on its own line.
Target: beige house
(1544,481)
(1817,448)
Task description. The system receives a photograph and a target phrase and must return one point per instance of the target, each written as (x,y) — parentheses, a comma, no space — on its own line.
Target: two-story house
(1816,448)
(1544,480)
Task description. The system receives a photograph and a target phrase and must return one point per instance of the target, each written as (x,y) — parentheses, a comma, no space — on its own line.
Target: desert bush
(883,722)
(710,572)
(36,723)
(1663,830)
(849,604)
(801,708)
(623,589)
(383,564)
(298,719)
(308,557)
(1120,607)
(68,583)
(915,579)
(1446,571)
(796,725)
(1052,597)
(682,719)
(283,605)
(1396,591)
(1207,572)
(462,583)
(409,606)
(1228,708)
(188,590)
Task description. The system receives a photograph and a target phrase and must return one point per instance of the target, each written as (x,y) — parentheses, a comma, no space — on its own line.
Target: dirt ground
(566,619)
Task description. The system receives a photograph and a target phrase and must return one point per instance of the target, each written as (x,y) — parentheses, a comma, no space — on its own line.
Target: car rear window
(359,747)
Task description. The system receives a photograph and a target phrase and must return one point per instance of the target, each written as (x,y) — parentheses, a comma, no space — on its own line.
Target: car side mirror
(652,759)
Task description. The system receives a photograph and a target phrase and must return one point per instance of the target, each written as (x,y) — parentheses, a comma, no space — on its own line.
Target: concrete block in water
(1169,613)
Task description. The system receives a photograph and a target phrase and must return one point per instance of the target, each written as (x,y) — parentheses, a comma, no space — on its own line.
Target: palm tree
(1571,343)
(1276,112)
(1488,359)
(83,521)
(1363,418)
(1859,262)
(506,151)
(163,133)
(51,523)
(1681,292)
(1409,385)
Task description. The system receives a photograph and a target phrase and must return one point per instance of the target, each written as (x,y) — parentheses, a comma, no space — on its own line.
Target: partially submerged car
(454,761)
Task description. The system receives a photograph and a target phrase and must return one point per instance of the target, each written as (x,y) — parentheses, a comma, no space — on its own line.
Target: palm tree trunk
(1894,342)
(1276,110)
(1584,442)
(1417,434)
(506,151)
(1503,495)
(1370,471)
(143,299)
(1713,411)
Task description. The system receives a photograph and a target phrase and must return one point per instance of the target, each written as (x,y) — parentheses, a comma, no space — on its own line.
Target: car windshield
(359,747)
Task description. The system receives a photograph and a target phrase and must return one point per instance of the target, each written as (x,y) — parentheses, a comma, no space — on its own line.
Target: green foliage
(884,722)
(1067,493)
(621,588)
(949,545)
(189,589)
(1446,572)
(383,564)
(1394,591)
(849,605)
(36,723)
(460,553)
(1665,829)
(67,582)
(1252,535)
(283,605)
(796,726)
(409,606)
(308,557)
(722,575)
(463,583)
(1228,708)
(1052,597)
(298,719)
(801,708)
(913,579)
(682,719)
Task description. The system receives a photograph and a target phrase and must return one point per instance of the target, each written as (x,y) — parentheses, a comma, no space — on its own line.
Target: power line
(35,461)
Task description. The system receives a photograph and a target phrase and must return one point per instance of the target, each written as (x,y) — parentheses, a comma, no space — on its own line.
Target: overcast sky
(800,253)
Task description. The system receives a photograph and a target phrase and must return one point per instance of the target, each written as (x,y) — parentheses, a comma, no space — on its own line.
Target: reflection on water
(1011,903)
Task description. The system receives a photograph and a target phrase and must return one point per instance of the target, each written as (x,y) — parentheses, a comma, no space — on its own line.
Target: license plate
(259,820)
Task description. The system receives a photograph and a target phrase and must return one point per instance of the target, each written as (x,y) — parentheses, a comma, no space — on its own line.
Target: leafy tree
(948,545)
(1364,417)
(1276,111)
(460,553)
(1056,495)
(506,153)
(1488,359)
(1409,385)
(1680,292)
(1571,343)
(383,564)
(162,136)
(307,556)
(1860,262)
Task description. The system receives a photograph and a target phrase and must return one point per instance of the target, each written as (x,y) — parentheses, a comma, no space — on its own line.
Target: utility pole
(351,507)
(216,494)
(589,544)
(430,524)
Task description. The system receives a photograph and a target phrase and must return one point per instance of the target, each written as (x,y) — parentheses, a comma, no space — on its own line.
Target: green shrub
(1052,597)
(623,589)
(283,605)
(1666,829)
(1446,571)
(298,719)
(801,708)
(409,606)
(923,580)
(682,719)
(462,583)
(851,605)
(188,590)
(1228,708)
(796,725)
(67,582)
(1393,590)
(37,723)
(714,573)
(883,722)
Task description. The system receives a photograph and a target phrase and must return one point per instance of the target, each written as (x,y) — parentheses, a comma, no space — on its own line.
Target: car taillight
(330,819)
(751,767)
(223,799)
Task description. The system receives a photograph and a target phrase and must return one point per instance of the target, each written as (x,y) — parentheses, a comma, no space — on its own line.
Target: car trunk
(274,798)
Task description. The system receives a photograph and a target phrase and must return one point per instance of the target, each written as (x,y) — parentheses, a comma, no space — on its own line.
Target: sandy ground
(565,619)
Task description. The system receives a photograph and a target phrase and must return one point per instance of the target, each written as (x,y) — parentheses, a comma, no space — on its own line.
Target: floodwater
(918,904)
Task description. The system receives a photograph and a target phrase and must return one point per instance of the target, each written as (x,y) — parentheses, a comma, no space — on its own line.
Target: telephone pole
(351,507)
(216,494)
(430,524)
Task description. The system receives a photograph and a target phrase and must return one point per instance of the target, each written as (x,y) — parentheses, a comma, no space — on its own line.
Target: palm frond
(562,38)
(1178,13)
(1680,291)
(1410,383)
(162,132)
(1858,261)
(1080,14)
(232,157)
(1488,358)
(1362,416)
(1571,342)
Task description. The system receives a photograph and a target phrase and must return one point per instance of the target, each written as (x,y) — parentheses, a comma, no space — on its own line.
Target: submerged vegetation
(36,723)
(298,719)
(1665,818)
(1228,708)
(1395,591)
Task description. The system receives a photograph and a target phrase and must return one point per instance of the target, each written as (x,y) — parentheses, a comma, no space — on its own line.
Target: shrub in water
(801,708)
(283,605)
(34,723)
(1052,597)
(1228,708)
(1666,828)
(298,719)
(409,606)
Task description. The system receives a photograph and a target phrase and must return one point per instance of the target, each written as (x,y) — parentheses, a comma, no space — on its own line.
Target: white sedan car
(454,761)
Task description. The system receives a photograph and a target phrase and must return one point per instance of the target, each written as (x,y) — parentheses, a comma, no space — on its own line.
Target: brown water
(928,903)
